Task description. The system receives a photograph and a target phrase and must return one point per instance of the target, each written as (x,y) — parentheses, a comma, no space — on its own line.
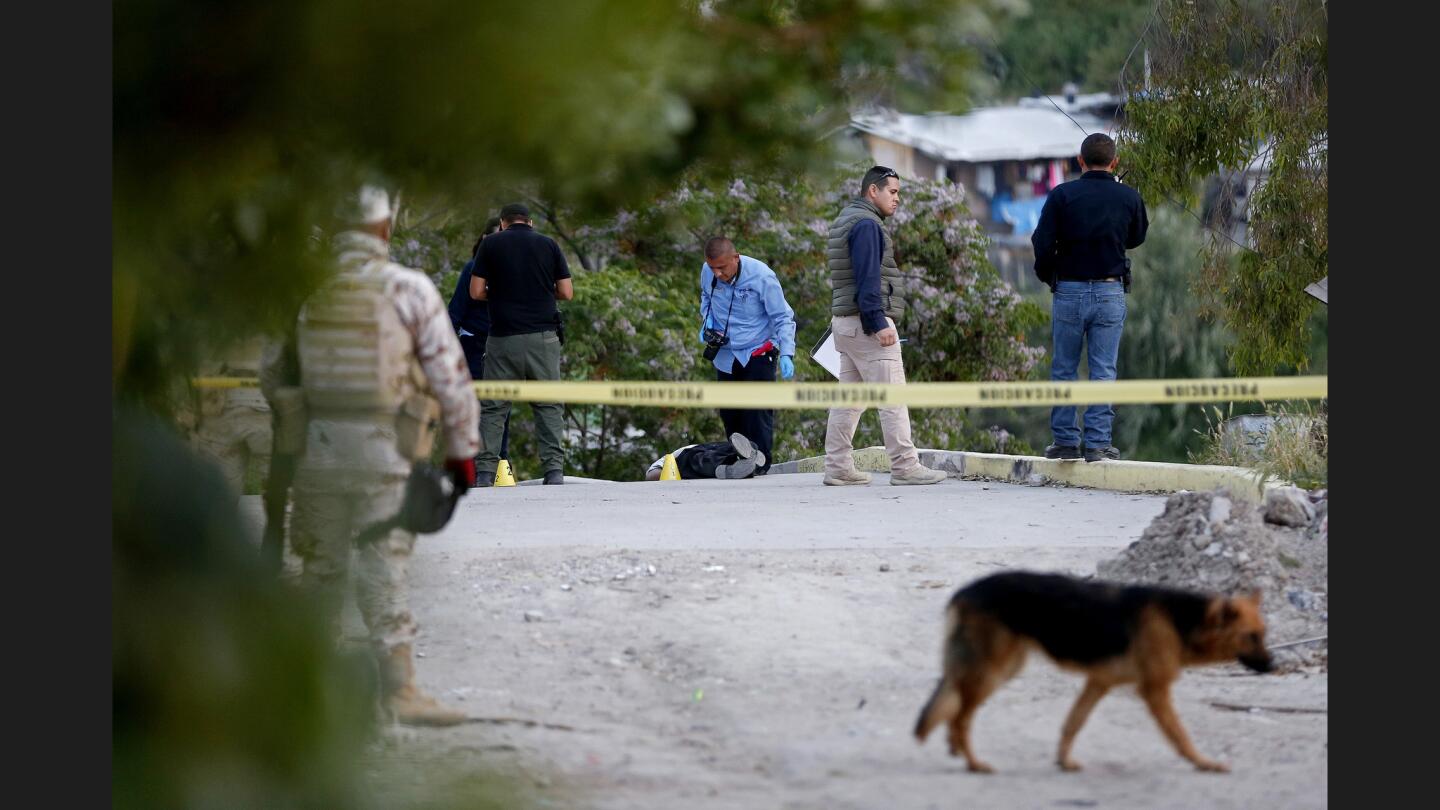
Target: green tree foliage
(1046,43)
(238,124)
(1237,84)
(1167,337)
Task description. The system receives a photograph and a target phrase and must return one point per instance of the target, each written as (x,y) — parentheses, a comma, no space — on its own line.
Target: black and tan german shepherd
(1116,634)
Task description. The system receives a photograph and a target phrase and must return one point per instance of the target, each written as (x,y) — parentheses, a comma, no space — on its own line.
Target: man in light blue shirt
(749,330)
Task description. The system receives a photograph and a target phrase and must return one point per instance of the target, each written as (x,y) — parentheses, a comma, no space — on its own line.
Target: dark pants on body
(474,347)
(756,425)
(701,460)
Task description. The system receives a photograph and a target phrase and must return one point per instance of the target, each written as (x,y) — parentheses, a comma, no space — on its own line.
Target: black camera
(715,340)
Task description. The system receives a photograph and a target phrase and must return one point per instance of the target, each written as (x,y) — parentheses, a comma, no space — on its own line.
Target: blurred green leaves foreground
(227,689)
(236,125)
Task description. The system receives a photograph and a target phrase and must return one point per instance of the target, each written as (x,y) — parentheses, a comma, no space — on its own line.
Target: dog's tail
(944,702)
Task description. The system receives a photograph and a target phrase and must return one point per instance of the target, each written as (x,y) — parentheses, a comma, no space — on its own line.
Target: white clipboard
(824,353)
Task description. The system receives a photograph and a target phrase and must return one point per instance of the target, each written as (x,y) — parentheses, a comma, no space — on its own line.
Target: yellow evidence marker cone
(669,472)
(503,477)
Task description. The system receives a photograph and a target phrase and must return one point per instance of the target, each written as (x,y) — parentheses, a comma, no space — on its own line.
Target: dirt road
(768,643)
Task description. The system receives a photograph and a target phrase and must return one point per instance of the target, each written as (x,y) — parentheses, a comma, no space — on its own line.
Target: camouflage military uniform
(376,352)
(233,424)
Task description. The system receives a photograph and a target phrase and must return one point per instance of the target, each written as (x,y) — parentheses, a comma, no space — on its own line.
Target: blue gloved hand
(787,367)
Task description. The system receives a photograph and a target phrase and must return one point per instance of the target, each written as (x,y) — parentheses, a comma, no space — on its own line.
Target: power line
(1026,78)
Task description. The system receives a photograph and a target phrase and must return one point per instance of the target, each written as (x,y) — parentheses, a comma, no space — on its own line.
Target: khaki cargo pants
(863,359)
(234,427)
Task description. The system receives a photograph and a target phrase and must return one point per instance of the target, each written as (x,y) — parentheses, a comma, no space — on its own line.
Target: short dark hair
(1097,150)
(876,177)
(718,246)
(515,212)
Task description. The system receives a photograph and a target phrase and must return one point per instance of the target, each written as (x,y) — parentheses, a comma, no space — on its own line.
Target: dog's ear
(1230,613)
(1220,612)
(1255,595)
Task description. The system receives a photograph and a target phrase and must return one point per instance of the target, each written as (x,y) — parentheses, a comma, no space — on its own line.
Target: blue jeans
(1093,312)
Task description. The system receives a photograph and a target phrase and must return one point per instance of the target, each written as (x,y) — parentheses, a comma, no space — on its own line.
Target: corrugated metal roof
(986,134)
(1082,102)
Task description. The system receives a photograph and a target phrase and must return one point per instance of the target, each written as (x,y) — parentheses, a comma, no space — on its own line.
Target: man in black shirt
(1080,243)
(521,274)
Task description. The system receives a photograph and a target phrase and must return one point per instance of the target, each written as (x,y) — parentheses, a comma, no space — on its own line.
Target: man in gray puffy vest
(865,301)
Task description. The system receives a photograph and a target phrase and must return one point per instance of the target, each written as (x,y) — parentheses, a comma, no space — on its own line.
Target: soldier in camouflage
(381,369)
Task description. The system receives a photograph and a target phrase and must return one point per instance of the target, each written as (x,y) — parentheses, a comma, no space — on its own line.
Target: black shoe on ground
(554,477)
(1106,453)
(1063,452)
(484,479)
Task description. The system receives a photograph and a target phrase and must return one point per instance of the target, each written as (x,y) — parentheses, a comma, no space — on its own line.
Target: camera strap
(714,280)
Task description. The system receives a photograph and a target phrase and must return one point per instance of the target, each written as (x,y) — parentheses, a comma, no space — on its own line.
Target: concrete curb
(1120,476)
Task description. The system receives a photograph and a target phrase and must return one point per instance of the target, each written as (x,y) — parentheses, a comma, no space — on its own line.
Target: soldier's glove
(462,472)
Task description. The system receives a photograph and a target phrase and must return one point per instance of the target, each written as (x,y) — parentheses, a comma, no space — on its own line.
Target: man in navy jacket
(1085,228)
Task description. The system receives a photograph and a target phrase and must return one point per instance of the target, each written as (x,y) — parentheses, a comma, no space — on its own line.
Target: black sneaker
(1106,453)
(554,477)
(1063,452)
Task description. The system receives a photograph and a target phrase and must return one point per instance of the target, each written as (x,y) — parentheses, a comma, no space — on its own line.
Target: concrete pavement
(797,512)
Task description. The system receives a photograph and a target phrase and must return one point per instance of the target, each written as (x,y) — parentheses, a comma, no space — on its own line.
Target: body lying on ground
(733,459)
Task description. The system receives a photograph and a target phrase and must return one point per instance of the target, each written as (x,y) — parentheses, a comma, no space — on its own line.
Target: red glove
(462,470)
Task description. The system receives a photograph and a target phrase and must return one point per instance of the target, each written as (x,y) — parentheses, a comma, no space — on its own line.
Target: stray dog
(1115,634)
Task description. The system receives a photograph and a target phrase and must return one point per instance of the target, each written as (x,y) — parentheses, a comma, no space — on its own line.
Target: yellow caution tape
(225,382)
(914,395)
